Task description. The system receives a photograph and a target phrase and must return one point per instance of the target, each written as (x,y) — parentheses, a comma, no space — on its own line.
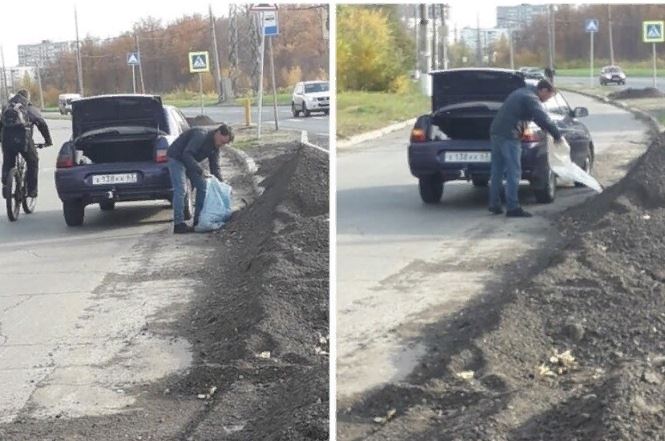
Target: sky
(54,19)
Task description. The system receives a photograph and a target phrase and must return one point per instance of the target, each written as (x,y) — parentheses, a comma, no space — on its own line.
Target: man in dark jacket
(185,155)
(521,106)
(18,140)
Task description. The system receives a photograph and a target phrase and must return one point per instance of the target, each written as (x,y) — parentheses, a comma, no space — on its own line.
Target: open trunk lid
(102,112)
(468,85)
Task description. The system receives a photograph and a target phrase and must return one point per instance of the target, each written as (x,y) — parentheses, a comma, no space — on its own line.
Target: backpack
(15,126)
(15,115)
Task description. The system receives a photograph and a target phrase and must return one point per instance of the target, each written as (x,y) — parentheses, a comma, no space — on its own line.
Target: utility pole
(434,41)
(609,19)
(512,50)
(554,9)
(138,51)
(444,36)
(79,68)
(416,28)
(5,86)
(39,76)
(479,53)
(550,44)
(215,50)
(424,50)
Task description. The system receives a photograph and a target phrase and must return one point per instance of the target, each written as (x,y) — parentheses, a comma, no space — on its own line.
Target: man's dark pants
(31,159)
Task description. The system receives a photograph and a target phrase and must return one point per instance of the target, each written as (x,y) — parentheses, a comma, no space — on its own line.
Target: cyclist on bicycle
(16,124)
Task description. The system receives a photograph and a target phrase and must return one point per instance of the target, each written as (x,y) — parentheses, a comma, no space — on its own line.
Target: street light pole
(4,76)
(609,20)
(512,51)
(79,68)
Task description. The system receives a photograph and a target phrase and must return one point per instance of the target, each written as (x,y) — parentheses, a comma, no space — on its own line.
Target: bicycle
(16,189)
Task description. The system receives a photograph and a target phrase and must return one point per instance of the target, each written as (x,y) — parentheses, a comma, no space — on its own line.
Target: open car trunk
(135,149)
(465,101)
(467,120)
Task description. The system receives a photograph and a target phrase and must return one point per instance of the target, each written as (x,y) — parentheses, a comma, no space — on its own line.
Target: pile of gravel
(263,332)
(629,93)
(600,294)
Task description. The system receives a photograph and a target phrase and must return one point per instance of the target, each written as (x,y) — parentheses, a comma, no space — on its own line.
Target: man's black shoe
(182,229)
(518,212)
(496,210)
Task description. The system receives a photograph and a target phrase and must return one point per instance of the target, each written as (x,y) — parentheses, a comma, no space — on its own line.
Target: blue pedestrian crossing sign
(133,58)
(652,31)
(199,62)
(591,25)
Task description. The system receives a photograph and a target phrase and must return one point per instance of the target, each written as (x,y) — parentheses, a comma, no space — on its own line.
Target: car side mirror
(580,112)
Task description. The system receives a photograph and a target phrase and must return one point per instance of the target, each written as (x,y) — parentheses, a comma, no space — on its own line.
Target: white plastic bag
(561,164)
(216,206)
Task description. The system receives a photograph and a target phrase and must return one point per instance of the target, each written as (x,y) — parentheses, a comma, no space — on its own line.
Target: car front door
(575,132)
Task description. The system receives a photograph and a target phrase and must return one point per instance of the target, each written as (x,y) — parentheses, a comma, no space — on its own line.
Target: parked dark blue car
(117,153)
(453,142)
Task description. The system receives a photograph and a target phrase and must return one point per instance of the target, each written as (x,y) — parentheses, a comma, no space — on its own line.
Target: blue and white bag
(216,206)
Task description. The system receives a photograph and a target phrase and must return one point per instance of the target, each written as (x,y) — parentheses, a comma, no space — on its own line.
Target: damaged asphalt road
(129,332)
(471,309)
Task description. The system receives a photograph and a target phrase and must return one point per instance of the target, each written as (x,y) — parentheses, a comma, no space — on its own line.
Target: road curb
(652,121)
(248,166)
(367,136)
(304,141)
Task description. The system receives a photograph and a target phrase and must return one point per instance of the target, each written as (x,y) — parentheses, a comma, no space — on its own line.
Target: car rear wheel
(547,194)
(107,205)
(73,211)
(431,189)
(305,110)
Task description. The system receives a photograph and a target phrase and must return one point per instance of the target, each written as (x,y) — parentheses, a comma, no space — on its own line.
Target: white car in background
(310,96)
(65,102)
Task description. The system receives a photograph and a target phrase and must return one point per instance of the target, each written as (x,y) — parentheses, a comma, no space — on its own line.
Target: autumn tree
(369,56)
(300,54)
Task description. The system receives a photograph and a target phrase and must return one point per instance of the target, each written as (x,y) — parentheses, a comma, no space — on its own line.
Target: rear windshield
(316,87)
(116,112)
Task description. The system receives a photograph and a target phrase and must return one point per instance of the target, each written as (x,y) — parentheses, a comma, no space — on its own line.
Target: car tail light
(530,135)
(161,147)
(64,162)
(160,156)
(418,135)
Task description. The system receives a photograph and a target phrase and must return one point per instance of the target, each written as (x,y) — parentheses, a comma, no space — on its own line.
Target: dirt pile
(495,370)
(263,332)
(201,120)
(629,93)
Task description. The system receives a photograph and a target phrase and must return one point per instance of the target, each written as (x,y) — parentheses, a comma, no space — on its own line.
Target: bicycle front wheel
(14,195)
(28,203)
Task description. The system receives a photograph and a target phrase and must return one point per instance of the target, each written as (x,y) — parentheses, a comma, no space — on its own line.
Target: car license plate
(468,157)
(124,178)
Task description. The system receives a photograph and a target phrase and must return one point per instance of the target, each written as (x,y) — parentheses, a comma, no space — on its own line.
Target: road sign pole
(274,89)
(591,61)
(201,90)
(134,78)
(263,51)
(654,64)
